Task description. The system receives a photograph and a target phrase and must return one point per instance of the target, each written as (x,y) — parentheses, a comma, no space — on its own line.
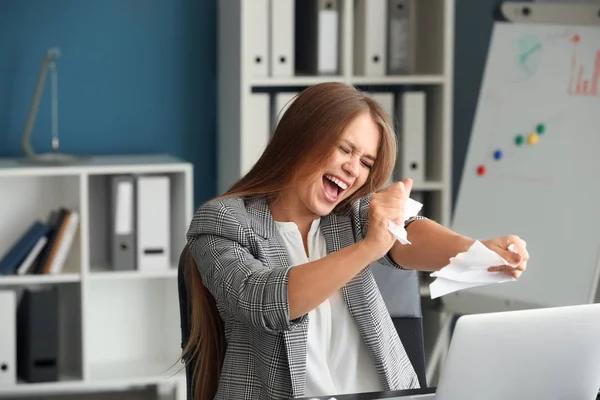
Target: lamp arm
(50,57)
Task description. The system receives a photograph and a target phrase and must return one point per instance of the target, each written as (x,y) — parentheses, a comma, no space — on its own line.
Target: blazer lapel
(338,232)
(263,224)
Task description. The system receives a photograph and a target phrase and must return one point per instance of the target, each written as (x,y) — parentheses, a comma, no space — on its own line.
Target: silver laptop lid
(550,353)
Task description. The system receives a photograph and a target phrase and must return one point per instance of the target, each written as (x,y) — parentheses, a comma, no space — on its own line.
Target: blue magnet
(497,154)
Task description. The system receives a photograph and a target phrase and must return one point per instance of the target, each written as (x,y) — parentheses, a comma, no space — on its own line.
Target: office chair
(409,329)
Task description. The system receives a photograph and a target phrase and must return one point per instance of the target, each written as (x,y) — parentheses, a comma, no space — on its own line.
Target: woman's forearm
(312,283)
(431,246)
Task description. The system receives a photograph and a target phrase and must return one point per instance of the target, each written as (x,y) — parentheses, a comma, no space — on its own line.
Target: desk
(376,395)
(383,395)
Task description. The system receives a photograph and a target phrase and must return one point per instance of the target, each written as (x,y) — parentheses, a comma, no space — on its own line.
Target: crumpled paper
(411,209)
(469,269)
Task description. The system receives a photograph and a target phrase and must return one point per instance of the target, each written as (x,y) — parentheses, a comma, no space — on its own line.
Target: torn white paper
(469,269)
(411,209)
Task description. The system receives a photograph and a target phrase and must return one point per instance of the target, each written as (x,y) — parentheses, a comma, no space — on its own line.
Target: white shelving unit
(117,329)
(432,30)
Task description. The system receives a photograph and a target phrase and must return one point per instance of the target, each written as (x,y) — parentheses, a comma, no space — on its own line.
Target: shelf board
(109,164)
(399,80)
(36,279)
(295,80)
(431,185)
(103,379)
(101,272)
(64,384)
(428,186)
(137,371)
(301,81)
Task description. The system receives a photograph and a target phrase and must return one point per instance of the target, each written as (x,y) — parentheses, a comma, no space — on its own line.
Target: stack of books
(43,247)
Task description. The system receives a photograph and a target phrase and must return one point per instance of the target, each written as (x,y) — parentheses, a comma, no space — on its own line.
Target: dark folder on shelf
(37,335)
(123,237)
(19,251)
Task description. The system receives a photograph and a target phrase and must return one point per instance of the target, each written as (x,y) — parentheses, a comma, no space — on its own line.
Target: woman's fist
(386,205)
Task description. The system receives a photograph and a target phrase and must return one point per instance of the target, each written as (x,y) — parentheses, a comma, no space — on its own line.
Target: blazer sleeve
(238,281)
(363,212)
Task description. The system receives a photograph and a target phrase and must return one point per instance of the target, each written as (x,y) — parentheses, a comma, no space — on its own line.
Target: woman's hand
(517,258)
(386,205)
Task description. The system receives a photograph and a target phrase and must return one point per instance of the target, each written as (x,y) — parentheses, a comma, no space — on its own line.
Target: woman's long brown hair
(303,141)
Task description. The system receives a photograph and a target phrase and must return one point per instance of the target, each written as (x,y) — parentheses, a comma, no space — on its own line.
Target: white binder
(282,101)
(329,37)
(257,37)
(411,131)
(8,337)
(256,136)
(370,28)
(386,100)
(400,37)
(282,37)
(153,217)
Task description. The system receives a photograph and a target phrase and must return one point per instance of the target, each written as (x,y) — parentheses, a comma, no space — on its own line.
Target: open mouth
(333,188)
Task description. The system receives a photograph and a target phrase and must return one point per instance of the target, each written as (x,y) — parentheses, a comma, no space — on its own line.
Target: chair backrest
(184,314)
(410,331)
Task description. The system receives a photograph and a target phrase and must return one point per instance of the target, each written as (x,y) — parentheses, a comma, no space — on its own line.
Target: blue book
(17,253)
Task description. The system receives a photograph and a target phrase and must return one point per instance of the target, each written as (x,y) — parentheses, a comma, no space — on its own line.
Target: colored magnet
(541,128)
(498,154)
(519,140)
(481,170)
(532,139)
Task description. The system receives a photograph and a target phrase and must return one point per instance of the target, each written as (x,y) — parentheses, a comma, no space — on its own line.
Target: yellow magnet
(532,138)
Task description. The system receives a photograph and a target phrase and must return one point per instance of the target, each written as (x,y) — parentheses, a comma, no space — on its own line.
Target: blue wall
(135,76)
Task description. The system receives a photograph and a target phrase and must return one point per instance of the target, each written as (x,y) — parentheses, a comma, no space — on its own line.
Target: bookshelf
(117,329)
(243,132)
(241,129)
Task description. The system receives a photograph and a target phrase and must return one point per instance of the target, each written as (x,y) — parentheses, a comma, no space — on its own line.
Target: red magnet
(481,170)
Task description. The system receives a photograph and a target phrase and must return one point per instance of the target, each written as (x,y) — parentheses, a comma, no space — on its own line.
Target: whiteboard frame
(550,13)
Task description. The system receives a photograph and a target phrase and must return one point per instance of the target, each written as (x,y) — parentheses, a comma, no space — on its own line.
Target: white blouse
(337,359)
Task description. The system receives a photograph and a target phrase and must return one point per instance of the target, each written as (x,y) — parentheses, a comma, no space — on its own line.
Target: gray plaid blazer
(245,266)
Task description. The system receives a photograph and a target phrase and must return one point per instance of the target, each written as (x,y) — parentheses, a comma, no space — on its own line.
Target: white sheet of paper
(469,269)
(411,209)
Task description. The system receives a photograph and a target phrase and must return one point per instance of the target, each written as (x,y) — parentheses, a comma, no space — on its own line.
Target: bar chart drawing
(580,83)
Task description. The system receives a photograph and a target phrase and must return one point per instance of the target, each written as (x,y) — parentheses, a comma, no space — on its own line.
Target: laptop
(549,353)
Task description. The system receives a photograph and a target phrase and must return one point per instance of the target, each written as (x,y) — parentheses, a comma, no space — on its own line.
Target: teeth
(335,180)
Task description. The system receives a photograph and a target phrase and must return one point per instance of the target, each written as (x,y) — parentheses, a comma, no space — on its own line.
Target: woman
(284,257)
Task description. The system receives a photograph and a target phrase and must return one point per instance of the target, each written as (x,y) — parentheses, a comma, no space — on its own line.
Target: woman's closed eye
(366,164)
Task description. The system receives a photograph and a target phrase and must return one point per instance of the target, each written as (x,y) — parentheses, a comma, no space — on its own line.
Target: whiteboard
(542,186)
